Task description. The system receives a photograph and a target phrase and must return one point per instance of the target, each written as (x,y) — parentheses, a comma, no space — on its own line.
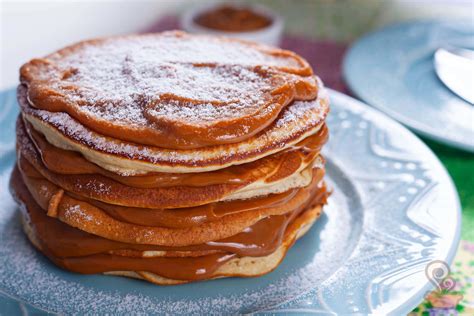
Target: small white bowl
(270,35)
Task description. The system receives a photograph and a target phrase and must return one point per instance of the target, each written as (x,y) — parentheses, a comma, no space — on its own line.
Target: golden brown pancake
(235,267)
(287,170)
(274,167)
(93,219)
(169,157)
(296,122)
(198,91)
(45,233)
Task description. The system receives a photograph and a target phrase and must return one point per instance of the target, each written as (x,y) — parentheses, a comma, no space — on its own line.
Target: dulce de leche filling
(79,251)
(194,225)
(278,166)
(102,186)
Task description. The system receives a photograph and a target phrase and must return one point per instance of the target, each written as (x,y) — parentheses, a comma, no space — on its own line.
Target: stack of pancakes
(169,157)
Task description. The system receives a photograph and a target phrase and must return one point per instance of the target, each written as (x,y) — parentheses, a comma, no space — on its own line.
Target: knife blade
(455,68)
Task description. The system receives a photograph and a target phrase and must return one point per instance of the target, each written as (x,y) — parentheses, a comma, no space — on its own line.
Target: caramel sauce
(78,251)
(232,19)
(178,268)
(188,217)
(182,217)
(279,165)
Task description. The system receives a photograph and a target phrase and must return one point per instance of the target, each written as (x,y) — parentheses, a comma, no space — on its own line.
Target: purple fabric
(324,56)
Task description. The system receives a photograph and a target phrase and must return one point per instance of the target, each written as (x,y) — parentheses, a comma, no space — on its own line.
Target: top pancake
(295,123)
(171,90)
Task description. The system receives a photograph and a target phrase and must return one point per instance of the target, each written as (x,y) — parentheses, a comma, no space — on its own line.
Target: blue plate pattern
(392,69)
(393,210)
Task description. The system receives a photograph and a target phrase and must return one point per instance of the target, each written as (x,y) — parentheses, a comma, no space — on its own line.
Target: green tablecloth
(460,166)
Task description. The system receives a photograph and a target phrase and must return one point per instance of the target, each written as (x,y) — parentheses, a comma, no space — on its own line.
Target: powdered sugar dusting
(222,92)
(76,211)
(288,124)
(134,81)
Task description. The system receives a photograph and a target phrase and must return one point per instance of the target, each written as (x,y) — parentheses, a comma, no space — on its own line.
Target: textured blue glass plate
(392,69)
(393,210)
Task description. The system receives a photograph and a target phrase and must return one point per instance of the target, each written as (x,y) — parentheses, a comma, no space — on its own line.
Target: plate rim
(417,298)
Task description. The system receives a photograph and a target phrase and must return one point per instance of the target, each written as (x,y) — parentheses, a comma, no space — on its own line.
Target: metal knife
(455,68)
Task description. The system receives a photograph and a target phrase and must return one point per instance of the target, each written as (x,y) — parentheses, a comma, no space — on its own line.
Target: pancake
(231,266)
(272,175)
(224,91)
(295,123)
(274,167)
(258,240)
(237,267)
(169,157)
(95,220)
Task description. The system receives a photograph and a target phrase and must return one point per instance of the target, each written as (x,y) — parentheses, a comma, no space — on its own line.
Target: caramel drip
(279,166)
(81,252)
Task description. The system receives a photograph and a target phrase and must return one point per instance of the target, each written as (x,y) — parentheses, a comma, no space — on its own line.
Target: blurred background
(35,28)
